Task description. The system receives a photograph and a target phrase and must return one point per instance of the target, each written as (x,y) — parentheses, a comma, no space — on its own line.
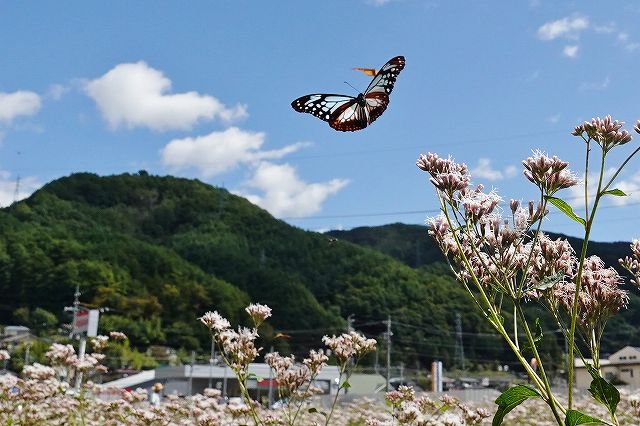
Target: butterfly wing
(377,94)
(341,112)
(367,71)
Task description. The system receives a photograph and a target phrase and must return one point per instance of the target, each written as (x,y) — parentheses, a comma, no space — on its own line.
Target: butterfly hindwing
(349,117)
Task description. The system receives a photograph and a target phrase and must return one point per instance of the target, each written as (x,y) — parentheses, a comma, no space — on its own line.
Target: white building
(185,380)
(623,365)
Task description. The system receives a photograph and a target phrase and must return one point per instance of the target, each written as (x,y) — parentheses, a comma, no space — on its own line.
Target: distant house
(183,380)
(623,366)
(15,335)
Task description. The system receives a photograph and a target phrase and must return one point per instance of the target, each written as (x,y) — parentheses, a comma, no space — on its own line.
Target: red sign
(264,383)
(81,322)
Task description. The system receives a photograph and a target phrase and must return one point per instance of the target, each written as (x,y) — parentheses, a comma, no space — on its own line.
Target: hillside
(160,251)
(411,245)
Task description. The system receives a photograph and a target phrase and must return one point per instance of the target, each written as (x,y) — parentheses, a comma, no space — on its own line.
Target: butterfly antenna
(347,83)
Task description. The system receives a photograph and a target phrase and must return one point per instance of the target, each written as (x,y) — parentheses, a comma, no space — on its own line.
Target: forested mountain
(411,245)
(160,251)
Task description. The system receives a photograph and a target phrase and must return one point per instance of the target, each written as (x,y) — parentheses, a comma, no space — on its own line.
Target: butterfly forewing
(385,79)
(321,105)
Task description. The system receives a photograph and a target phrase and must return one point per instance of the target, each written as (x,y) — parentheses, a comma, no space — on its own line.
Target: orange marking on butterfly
(367,71)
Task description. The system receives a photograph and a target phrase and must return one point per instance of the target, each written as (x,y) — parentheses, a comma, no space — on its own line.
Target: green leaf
(510,399)
(315,410)
(345,385)
(575,418)
(565,208)
(605,393)
(617,192)
(536,337)
(550,281)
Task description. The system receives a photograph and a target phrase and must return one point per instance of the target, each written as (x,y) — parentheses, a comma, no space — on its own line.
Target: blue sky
(202,89)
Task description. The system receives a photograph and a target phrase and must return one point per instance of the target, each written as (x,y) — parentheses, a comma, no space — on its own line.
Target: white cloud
(630,186)
(584,87)
(18,103)
(8,188)
(285,194)
(57,91)
(379,2)
(484,171)
(136,95)
(219,152)
(553,119)
(532,77)
(510,171)
(605,29)
(565,27)
(570,51)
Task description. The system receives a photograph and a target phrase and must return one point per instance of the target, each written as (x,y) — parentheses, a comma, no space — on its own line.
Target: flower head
(600,297)
(605,131)
(548,174)
(258,313)
(446,175)
(632,263)
(349,345)
(215,321)
(117,335)
(99,342)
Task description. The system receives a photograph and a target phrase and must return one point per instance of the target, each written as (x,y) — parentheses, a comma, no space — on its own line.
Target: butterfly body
(349,113)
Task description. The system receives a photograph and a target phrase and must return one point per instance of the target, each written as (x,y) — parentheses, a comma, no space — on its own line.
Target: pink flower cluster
(258,313)
(292,377)
(214,321)
(605,131)
(548,174)
(632,263)
(349,345)
(600,297)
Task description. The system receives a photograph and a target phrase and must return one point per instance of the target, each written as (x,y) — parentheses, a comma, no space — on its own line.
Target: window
(633,357)
(623,358)
(627,370)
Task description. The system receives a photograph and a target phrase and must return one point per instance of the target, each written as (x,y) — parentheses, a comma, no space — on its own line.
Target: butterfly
(348,113)
(367,71)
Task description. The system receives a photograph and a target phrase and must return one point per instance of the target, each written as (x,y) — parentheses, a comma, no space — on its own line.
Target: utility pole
(211,362)
(16,192)
(350,323)
(83,338)
(270,381)
(459,349)
(193,361)
(388,335)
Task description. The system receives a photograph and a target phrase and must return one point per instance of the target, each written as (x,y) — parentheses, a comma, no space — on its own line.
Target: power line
(433,211)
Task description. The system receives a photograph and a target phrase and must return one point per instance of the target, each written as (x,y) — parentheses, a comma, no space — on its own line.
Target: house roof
(579,364)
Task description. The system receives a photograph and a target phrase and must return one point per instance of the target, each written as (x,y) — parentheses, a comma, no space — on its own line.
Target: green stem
(552,401)
(247,397)
(624,163)
(576,298)
(515,324)
(335,399)
(302,399)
